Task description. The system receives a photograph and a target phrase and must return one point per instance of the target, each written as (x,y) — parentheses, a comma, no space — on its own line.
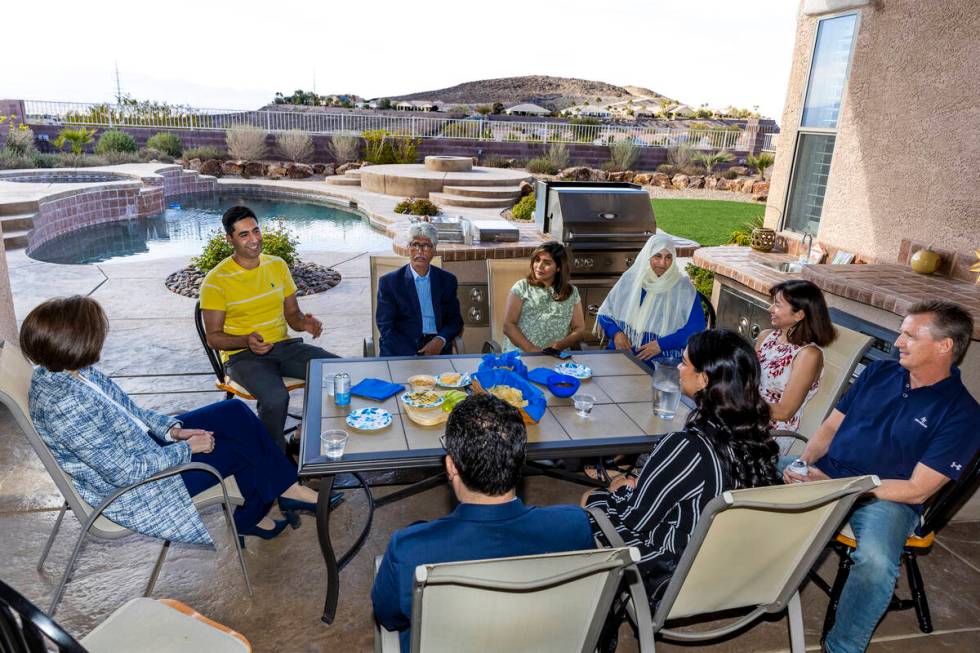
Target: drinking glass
(666,388)
(584,404)
(333,443)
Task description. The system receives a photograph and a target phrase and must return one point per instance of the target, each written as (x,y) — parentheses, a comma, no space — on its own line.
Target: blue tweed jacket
(102,450)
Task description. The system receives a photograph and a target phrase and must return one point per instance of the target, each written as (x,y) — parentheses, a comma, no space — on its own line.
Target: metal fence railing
(769,142)
(318,122)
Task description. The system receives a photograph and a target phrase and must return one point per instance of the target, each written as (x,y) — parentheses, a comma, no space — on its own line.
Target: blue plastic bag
(510,361)
(536,401)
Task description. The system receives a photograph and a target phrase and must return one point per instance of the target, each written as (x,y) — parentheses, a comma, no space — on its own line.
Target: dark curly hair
(486,439)
(729,410)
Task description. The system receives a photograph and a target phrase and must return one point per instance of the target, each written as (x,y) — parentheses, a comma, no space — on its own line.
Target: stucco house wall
(906,163)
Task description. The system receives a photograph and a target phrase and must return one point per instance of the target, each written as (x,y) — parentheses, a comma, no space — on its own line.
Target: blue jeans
(880,528)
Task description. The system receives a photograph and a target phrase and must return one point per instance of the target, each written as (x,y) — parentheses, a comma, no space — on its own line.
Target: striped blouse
(679,478)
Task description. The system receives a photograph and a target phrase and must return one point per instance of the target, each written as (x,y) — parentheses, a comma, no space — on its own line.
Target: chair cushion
(152,626)
(846,537)
(213,494)
(239,391)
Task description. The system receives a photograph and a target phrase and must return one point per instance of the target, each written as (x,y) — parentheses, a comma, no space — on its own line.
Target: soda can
(799,467)
(341,389)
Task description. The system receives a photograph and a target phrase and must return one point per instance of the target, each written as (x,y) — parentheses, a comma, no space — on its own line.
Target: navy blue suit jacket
(399,315)
(471,532)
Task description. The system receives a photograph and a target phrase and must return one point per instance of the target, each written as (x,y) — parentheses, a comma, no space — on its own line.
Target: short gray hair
(949,320)
(423,230)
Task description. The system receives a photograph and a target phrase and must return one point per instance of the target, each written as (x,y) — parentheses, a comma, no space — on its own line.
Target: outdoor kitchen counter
(746,266)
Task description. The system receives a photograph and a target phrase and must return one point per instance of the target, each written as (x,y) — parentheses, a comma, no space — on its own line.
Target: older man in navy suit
(418,312)
(485,443)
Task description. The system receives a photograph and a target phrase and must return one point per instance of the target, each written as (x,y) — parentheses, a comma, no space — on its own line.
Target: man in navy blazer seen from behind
(485,443)
(418,311)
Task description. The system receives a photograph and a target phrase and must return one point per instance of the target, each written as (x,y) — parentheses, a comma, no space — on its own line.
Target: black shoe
(264,533)
(291,507)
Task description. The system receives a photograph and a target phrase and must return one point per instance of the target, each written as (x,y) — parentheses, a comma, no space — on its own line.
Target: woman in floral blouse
(544,310)
(790,354)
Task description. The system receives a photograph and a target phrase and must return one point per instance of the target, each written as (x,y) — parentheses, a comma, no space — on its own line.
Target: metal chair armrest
(491,347)
(458,347)
(784,433)
(369,350)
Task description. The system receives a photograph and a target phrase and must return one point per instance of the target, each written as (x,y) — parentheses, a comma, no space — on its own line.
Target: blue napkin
(540,375)
(376,389)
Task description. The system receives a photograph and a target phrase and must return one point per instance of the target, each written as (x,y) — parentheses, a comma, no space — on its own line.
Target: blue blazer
(471,532)
(399,315)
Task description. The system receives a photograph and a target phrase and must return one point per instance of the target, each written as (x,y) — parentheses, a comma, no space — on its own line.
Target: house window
(817,134)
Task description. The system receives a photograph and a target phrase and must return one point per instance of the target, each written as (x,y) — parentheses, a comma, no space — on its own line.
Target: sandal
(606,470)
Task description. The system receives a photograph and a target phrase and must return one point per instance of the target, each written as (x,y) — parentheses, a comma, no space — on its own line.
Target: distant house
(592,111)
(680,111)
(527,109)
(418,105)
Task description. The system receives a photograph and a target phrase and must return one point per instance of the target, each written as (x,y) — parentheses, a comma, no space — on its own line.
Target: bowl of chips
(422,382)
(510,394)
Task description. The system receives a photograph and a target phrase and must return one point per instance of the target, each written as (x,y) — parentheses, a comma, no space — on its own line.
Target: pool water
(185,226)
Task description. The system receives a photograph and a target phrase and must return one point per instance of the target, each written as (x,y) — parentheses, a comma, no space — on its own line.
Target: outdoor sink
(786,267)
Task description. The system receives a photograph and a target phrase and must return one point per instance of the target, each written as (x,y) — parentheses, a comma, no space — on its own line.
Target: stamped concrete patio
(153,352)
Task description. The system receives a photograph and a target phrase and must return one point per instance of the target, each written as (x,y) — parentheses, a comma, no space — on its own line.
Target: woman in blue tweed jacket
(104,441)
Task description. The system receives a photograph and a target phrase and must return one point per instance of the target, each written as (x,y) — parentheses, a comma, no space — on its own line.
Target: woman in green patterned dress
(544,310)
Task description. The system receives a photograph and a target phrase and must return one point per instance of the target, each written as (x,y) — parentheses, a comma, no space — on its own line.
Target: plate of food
(453,380)
(369,419)
(421,382)
(511,395)
(576,370)
(422,399)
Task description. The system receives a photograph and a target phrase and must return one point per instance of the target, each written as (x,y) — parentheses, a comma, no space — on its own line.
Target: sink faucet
(808,241)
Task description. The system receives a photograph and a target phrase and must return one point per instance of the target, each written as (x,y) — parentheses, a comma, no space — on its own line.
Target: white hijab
(667,305)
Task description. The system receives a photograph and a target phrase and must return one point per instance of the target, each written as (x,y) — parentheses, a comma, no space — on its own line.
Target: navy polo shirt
(889,427)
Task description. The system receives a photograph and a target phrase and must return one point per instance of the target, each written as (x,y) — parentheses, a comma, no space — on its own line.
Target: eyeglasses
(422,247)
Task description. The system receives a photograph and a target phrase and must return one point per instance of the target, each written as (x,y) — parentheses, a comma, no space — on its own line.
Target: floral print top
(776,361)
(543,320)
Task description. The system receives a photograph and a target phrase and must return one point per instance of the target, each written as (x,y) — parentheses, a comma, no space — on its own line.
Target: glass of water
(584,404)
(666,388)
(333,443)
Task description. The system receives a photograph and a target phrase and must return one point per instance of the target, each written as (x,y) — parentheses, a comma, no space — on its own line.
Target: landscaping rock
(195,164)
(660,179)
(697,181)
(599,175)
(329,170)
(253,169)
(348,166)
(642,179)
(747,185)
(310,279)
(231,168)
(527,188)
(722,184)
(760,187)
(741,171)
(211,167)
(275,171)
(710,182)
(617,176)
(680,181)
(760,197)
(576,173)
(299,171)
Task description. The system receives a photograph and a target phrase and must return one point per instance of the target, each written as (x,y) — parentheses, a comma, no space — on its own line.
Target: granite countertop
(889,287)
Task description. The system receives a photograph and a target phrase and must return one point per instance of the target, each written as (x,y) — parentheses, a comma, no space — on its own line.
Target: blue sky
(238,54)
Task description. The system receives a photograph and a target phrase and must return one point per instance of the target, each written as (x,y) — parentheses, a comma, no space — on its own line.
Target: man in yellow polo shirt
(248,301)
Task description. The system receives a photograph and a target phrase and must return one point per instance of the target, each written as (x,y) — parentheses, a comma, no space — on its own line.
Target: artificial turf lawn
(709,222)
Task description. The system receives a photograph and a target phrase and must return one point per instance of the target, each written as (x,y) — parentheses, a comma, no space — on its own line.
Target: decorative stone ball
(763,239)
(925,261)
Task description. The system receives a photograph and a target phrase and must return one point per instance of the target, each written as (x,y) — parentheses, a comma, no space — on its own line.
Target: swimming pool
(184,227)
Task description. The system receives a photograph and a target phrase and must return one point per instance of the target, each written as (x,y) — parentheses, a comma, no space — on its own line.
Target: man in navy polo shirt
(914,425)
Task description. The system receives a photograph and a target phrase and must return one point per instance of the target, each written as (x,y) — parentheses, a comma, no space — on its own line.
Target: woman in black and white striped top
(725,445)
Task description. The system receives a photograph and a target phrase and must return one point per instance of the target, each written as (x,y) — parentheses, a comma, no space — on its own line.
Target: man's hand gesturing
(257,344)
(312,325)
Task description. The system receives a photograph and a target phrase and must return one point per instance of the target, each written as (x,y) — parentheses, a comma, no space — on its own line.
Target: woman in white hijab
(653,309)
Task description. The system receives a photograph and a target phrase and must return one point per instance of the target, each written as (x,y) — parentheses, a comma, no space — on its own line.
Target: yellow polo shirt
(252,300)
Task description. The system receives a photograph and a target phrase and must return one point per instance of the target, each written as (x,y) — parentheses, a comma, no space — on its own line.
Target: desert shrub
(405,149)
(277,240)
(20,140)
(680,156)
(524,210)
(743,235)
(115,158)
(542,166)
(622,155)
(295,145)
(710,159)
(11,160)
(165,142)
(75,138)
(377,147)
(693,170)
(114,140)
(667,169)
(204,153)
(701,279)
(558,155)
(417,206)
(760,163)
(729,174)
(345,147)
(153,154)
(484,109)
(495,161)
(246,142)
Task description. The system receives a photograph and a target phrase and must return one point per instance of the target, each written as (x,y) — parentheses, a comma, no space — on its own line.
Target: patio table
(622,422)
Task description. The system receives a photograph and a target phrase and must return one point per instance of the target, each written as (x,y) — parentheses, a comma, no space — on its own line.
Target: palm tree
(77,139)
(761,163)
(709,160)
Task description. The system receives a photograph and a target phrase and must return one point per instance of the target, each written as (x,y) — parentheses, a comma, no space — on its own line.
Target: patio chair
(939,510)
(145,625)
(380,266)
(553,602)
(751,548)
(840,358)
(502,274)
(15,382)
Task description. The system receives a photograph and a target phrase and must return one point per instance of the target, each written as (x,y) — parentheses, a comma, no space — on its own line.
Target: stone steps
(490,192)
(16,208)
(447,199)
(16,239)
(342,181)
(353,174)
(16,222)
